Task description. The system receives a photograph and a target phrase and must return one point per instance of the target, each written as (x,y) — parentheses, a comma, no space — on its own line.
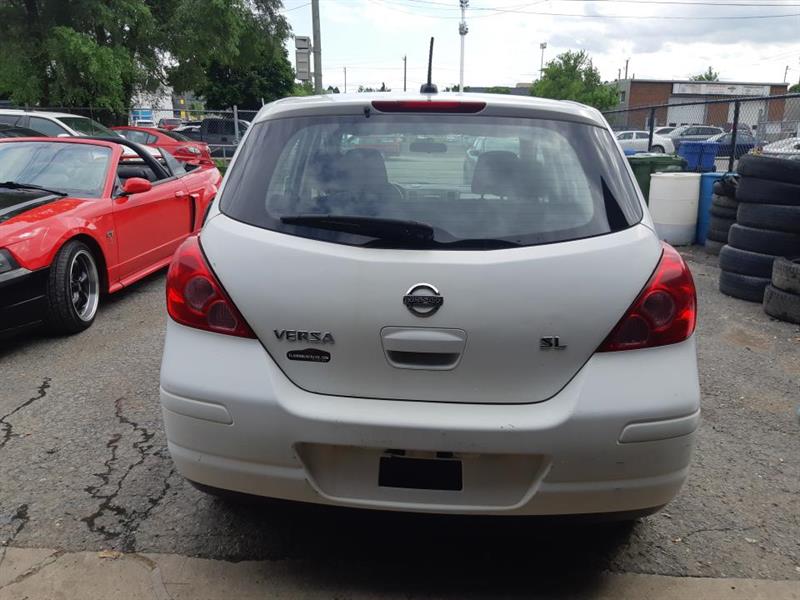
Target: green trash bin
(647,163)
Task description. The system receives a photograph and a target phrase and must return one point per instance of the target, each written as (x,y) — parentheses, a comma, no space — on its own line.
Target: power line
(585,16)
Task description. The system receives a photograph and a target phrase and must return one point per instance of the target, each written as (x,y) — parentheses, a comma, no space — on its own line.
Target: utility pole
(345,80)
(462,31)
(542,47)
(317,47)
(405,65)
(786,74)
(619,74)
(627,60)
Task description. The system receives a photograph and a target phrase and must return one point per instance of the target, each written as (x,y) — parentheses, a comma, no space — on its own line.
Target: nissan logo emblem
(423,299)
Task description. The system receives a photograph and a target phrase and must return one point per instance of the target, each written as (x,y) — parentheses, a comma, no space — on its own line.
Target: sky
(744,40)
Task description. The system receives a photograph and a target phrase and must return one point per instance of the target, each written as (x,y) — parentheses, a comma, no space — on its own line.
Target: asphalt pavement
(84,467)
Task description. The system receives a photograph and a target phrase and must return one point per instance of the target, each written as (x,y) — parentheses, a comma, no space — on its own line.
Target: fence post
(236,124)
(734,134)
(652,128)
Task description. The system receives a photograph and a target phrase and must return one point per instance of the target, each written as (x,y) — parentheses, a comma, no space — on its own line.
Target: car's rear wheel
(658,149)
(73,289)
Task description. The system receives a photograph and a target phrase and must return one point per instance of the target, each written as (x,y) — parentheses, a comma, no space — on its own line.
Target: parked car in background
(788,148)
(638,141)
(215,131)
(10,131)
(387,145)
(664,130)
(54,124)
(745,142)
(169,123)
(181,147)
(693,133)
(80,218)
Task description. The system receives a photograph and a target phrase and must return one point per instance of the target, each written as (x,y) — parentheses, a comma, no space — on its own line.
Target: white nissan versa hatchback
(372,331)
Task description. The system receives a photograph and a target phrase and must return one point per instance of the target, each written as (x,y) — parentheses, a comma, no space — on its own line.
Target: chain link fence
(770,125)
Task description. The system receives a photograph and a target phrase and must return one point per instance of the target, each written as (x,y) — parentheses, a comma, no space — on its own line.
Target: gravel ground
(85,467)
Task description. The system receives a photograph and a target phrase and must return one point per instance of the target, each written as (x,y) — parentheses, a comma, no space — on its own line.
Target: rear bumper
(617,438)
(22,299)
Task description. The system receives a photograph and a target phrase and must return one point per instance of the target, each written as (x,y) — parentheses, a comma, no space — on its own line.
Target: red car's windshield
(77,169)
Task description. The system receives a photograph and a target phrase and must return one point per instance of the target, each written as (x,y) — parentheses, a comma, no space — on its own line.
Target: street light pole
(543,47)
(405,65)
(317,47)
(345,80)
(462,31)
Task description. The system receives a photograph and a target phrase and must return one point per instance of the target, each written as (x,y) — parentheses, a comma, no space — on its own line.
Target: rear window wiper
(376,227)
(13,185)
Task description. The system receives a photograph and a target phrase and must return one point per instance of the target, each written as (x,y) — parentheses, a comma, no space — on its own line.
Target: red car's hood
(23,211)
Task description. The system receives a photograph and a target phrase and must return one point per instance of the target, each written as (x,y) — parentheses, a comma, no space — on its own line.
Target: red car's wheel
(73,289)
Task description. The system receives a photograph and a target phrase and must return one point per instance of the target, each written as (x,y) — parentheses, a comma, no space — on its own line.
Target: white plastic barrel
(673,204)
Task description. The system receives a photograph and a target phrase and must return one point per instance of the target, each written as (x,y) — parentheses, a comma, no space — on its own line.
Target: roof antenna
(429,88)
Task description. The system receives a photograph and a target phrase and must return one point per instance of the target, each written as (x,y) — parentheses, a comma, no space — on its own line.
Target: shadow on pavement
(425,554)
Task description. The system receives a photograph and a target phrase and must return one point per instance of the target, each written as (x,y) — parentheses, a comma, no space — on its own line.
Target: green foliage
(572,76)
(99,52)
(302,89)
(709,75)
(498,89)
(795,89)
(383,88)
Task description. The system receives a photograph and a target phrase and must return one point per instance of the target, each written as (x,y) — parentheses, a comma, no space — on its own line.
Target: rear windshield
(86,126)
(175,135)
(478,182)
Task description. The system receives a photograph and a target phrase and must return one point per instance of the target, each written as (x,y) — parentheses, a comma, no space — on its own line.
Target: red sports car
(181,147)
(78,220)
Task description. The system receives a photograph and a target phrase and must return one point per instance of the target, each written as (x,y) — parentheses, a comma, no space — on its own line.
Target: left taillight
(665,312)
(195,297)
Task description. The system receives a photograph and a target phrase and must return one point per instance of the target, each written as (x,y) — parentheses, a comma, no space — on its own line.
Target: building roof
(718,82)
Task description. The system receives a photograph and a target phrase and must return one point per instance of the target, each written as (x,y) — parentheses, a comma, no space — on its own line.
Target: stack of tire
(723,212)
(767,226)
(782,296)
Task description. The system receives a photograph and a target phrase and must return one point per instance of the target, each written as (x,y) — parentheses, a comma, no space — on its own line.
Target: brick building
(635,93)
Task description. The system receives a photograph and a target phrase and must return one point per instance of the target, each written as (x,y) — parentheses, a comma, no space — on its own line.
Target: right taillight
(196,299)
(665,312)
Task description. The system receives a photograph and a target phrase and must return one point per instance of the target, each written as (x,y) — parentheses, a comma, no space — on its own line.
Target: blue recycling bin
(704,206)
(700,156)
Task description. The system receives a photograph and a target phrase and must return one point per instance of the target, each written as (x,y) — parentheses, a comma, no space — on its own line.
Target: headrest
(364,167)
(496,172)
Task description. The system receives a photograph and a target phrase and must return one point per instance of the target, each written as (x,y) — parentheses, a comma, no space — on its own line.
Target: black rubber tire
(744,287)
(769,167)
(722,212)
(657,148)
(786,275)
(782,305)
(61,316)
(723,201)
(718,235)
(744,262)
(769,216)
(714,247)
(721,224)
(765,191)
(765,241)
(726,185)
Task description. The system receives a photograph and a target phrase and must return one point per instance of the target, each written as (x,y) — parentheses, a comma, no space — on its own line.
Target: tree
(709,75)
(383,88)
(572,76)
(332,90)
(498,89)
(795,89)
(100,52)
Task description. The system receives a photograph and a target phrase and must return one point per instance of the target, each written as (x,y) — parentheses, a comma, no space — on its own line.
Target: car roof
(496,105)
(38,113)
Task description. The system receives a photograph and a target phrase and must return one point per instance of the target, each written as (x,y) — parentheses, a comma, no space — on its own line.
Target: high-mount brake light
(436,106)
(665,312)
(195,297)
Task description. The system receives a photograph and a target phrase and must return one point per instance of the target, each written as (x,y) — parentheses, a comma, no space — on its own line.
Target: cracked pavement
(84,467)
